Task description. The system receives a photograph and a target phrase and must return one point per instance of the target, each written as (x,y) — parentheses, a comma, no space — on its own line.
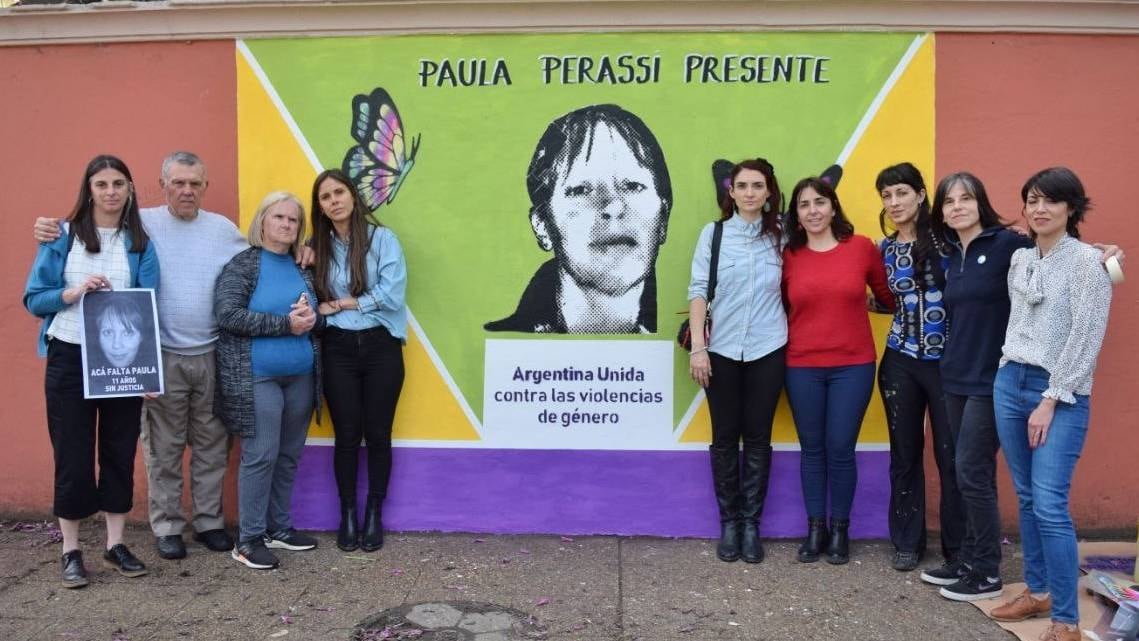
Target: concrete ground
(588,588)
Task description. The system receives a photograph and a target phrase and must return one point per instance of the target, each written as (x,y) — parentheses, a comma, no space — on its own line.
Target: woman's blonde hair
(254,235)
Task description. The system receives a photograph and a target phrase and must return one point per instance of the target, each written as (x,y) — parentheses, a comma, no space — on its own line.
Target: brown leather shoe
(1022,607)
(1061,632)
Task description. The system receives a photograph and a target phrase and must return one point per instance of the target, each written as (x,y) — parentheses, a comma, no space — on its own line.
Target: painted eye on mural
(380,162)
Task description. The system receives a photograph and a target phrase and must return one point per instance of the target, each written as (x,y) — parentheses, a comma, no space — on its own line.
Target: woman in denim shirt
(742,364)
(360,281)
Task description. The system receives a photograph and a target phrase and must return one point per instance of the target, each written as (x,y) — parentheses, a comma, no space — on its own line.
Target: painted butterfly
(380,163)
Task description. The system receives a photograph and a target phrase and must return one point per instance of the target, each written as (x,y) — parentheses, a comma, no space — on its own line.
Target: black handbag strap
(717,236)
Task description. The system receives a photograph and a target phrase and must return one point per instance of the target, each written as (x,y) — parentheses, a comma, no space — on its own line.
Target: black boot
(838,552)
(726,482)
(372,538)
(348,536)
(815,542)
(753,491)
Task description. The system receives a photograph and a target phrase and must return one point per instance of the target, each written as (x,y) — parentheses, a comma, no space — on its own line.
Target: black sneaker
(120,559)
(290,539)
(74,574)
(949,573)
(974,587)
(906,561)
(253,554)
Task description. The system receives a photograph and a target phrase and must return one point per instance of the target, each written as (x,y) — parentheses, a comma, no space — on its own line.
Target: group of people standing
(254,330)
(994,338)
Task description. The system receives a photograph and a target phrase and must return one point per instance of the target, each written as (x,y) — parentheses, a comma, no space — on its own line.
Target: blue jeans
(283,406)
(828,404)
(1043,477)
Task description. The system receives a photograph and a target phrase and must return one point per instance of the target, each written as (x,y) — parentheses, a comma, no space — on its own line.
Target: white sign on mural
(554,394)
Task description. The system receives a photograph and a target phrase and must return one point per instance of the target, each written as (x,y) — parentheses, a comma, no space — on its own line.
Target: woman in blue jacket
(104,247)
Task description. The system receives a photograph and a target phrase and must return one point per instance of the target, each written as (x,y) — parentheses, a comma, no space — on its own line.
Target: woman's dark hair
(772,210)
(572,133)
(841,227)
(975,188)
(928,248)
(1060,184)
(82,217)
(358,239)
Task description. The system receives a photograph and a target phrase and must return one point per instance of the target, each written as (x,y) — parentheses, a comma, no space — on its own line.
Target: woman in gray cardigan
(268,364)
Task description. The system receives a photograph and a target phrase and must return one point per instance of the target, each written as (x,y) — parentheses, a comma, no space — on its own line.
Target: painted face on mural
(605,220)
(119,336)
(184,187)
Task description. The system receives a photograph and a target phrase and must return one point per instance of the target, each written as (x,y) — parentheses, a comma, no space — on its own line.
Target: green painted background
(462,213)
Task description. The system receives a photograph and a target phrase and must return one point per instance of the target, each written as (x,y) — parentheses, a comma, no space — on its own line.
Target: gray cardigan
(237,325)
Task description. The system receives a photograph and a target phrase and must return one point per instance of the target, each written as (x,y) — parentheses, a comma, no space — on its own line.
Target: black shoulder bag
(684,335)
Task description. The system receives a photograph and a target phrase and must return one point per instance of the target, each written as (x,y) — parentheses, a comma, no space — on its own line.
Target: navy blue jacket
(976,297)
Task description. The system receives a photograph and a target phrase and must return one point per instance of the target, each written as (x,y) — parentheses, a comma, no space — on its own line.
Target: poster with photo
(121,355)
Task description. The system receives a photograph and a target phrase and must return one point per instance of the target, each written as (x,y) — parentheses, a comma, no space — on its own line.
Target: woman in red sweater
(830,355)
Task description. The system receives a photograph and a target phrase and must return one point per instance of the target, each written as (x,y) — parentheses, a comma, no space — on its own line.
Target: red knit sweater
(825,292)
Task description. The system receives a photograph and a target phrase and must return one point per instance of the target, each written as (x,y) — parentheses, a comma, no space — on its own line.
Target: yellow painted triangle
(270,159)
(902,130)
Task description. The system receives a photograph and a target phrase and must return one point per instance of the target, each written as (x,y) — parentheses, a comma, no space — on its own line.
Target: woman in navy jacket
(104,247)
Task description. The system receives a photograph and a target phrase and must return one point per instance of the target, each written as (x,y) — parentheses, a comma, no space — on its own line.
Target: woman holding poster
(104,246)
(830,356)
(360,280)
(741,366)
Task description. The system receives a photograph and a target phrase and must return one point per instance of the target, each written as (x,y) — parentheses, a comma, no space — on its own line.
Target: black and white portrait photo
(600,197)
(121,355)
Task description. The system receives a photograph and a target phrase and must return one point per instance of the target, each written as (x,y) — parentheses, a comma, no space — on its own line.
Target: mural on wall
(549,226)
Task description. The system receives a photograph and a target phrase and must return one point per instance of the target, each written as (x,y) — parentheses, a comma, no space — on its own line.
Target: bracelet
(697,351)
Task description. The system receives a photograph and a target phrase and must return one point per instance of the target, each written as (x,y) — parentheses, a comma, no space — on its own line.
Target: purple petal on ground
(480,540)
(542,601)
(286,619)
(566,539)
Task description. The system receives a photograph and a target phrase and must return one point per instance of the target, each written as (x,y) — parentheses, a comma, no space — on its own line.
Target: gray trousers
(283,406)
(184,417)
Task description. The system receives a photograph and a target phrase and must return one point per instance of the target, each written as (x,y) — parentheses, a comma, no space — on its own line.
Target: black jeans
(975,424)
(742,397)
(363,376)
(79,428)
(911,387)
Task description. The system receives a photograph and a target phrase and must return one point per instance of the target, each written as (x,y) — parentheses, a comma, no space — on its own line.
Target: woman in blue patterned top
(360,282)
(908,377)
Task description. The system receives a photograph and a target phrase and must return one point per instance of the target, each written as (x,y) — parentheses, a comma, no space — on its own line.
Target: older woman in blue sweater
(268,375)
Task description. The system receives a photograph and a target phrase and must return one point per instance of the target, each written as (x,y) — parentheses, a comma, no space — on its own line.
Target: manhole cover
(449,621)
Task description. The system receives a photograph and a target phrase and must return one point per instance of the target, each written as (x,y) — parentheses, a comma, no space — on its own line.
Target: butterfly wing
(379,163)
